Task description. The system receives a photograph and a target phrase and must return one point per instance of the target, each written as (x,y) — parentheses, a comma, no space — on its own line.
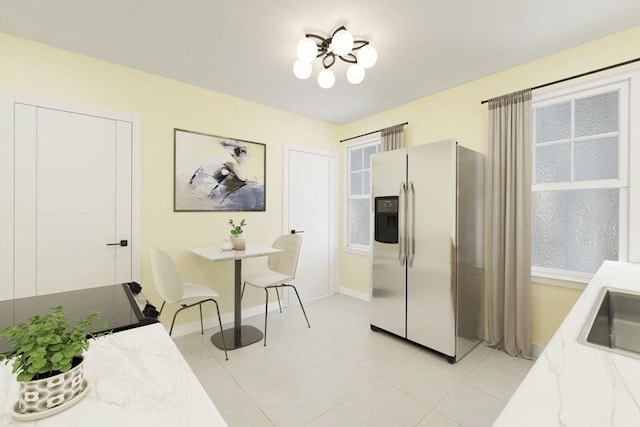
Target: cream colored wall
(163,104)
(457,113)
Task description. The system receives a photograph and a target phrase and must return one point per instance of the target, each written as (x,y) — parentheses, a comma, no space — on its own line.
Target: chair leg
(201,323)
(278,295)
(242,293)
(161,307)
(266,312)
(224,344)
(301,306)
(174,318)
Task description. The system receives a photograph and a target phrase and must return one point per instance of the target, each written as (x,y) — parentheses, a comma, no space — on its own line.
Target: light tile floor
(340,373)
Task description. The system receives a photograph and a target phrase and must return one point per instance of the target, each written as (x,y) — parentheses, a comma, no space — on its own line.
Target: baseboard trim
(355,294)
(212,321)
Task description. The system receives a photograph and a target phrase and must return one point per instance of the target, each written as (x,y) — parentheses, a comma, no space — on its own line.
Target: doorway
(70,191)
(310,208)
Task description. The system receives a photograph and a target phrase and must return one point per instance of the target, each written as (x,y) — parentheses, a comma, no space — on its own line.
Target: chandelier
(359,53)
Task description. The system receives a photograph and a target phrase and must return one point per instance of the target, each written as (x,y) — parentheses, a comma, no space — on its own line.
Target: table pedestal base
(248,335)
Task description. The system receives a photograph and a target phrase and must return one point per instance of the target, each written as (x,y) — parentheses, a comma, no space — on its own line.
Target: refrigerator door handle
(411,229)
(402,196)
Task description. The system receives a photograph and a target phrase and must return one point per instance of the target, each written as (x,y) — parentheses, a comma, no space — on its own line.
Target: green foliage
(46,345)
(236,230)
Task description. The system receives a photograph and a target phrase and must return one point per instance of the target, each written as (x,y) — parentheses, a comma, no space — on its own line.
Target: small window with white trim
(358,206)
(582,207)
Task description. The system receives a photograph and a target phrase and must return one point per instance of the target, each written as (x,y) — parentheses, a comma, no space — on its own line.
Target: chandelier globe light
(355,74)
(342,42)
(307,50)
(358,53)
(367,56)
(326,79)
(302,69)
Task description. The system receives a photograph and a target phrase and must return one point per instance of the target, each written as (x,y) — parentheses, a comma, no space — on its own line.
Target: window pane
(366,182)
(574,230)
(356,159)
(596,159)
(553,163)
(553,122)
(367,155)
(597,114)
(355,186)
(359,220)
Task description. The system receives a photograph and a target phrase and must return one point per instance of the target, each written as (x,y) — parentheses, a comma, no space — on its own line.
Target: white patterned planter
(238,243)
(47,393)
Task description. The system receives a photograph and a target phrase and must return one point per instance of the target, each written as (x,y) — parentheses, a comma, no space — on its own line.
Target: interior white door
(73,197)
(311,209)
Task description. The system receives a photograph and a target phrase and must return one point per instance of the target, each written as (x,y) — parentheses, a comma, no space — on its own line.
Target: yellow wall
(457,113)
(550,305)
(163,104)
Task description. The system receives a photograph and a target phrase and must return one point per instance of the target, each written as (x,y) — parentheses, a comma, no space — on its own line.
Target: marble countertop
(136,378)
(572,384)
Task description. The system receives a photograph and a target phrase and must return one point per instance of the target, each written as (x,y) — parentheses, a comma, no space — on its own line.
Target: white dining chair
(174,291)
(281,271)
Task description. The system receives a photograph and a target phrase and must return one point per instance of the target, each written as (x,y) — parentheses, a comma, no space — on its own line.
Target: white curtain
(509,243)
(392,138)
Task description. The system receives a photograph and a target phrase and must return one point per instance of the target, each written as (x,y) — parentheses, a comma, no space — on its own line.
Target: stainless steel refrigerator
(427,249)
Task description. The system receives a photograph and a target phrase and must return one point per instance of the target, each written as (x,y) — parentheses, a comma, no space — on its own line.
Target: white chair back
(166,276)
(286,262)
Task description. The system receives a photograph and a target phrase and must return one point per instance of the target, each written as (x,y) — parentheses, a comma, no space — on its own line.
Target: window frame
(357,144)
(628,182)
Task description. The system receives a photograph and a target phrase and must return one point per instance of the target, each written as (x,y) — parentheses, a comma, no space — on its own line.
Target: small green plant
(236,230)
(46,345)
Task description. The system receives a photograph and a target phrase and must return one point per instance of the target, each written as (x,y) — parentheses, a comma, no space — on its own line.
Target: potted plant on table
(47,357)
(236,235)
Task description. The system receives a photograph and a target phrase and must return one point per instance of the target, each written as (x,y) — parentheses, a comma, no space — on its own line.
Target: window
(582,187)
(359,192)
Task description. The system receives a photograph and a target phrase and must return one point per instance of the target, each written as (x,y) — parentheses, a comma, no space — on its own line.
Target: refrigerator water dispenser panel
(386,219)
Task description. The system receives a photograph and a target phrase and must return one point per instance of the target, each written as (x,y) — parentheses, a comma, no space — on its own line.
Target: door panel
(430,310)
(388,276)
(25,191)
(124,206)
(73,192)
(310,210)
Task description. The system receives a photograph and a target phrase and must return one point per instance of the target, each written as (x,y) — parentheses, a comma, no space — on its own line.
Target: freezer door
(470,313)
(388,274)
(432,246)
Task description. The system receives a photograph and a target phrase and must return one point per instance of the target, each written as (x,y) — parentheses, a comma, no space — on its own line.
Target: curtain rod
(620,64)
(369,133)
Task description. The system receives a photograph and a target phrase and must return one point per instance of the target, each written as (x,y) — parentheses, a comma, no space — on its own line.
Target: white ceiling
(246,48)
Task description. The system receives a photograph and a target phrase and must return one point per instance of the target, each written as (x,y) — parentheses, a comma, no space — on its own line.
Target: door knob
(296,231)
(120,243)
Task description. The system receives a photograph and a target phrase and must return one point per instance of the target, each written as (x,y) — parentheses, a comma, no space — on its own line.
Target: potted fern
(236,235)
(47,357)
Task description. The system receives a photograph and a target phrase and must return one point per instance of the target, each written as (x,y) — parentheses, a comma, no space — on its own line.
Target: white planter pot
(238,243)
(47,393)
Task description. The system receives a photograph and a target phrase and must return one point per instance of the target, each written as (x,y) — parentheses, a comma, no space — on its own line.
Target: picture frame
(215,173)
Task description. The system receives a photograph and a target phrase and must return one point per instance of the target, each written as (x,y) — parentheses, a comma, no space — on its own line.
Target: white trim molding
(364,296)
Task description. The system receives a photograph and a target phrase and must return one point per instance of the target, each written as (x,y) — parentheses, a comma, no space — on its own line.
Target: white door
(310,208)
(72,198)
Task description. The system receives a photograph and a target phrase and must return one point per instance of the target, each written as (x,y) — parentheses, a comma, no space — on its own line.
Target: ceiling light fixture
(359,53)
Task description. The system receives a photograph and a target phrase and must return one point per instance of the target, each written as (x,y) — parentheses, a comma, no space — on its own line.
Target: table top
(215,253)
(136,378)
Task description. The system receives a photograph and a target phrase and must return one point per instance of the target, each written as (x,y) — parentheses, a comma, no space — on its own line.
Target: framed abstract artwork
(215,173)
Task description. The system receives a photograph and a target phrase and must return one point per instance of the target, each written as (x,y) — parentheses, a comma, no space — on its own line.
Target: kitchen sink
(614,323)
